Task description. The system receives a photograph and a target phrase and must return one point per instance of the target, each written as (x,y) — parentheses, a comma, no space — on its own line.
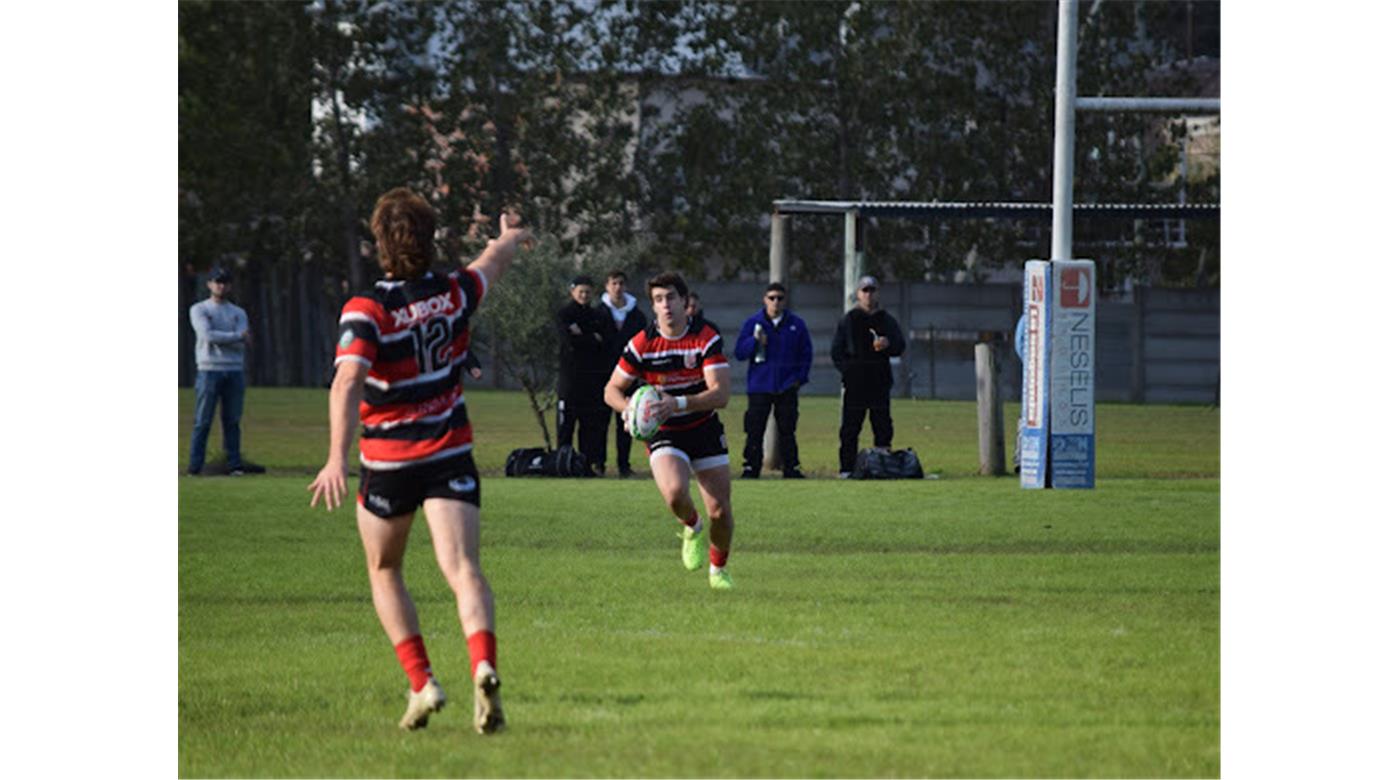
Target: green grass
(285,429)
(958,627)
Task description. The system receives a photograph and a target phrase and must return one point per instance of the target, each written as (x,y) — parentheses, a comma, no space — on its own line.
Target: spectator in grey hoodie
(625,320)
(221,331)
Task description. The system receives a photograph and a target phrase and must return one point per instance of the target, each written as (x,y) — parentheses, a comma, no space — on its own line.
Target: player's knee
(720,513)
(461,572)
(382,566)
(679,503)
(469,583)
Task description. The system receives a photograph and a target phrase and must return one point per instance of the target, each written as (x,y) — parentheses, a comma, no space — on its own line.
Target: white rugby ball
(644,413)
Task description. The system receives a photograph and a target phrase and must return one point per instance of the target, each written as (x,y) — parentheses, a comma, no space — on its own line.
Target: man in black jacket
(865,340)
(622,319)
(583,370)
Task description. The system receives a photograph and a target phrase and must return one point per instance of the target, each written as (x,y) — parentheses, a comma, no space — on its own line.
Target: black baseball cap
(581,279)
(220,274)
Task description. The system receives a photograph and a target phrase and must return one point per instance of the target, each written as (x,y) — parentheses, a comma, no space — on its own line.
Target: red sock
(718,557)
(413,657)
(481,646)
(694,522)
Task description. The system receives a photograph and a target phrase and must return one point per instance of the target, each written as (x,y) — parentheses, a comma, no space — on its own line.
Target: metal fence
(1154,346)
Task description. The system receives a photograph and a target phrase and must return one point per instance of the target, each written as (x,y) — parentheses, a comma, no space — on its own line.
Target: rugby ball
(644,413)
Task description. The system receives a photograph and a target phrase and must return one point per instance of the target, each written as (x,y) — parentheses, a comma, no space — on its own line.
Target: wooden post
(906,318)
(1138,335)
(991,445)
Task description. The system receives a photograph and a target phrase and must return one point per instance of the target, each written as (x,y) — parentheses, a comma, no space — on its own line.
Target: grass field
(952,627)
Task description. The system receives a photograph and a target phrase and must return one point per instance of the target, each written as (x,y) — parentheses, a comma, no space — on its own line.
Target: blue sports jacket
(789,352)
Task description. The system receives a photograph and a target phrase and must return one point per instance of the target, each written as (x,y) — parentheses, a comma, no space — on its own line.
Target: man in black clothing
(622,319)
(583,370)
(694,311)
(865,340)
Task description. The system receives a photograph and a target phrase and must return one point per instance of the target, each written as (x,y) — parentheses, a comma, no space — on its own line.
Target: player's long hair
(403,225)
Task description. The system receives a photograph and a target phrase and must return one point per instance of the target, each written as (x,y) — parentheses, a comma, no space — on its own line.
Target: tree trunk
(533,392)
(537,406)
(189,295)
(350,231)
(262,339)
(503,183)
(280,354)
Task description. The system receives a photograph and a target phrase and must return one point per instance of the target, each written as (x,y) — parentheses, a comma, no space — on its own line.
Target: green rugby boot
(720,580)
(693,548)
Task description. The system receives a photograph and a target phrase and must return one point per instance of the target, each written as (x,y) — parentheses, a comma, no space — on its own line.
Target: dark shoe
(194,472)
(794,474)
(246,468)
(749,473)
(624,472)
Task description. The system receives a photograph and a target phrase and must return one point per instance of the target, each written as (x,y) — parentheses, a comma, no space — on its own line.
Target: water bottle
(761,350)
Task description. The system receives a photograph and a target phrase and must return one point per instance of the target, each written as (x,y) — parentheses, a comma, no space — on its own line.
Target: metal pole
(777,248)
(855,261)
(1067,51)
(1169,105)
(777,272)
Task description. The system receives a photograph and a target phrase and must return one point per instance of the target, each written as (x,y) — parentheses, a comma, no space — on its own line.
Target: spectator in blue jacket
(779,350)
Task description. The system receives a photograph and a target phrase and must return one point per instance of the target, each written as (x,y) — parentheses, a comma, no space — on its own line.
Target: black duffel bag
(894,464)
(539,462)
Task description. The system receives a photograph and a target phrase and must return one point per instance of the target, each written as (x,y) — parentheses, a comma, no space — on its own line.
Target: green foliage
(245,126)
(517,322)
(670,124)
(914,101)
(557,107)
(518,319)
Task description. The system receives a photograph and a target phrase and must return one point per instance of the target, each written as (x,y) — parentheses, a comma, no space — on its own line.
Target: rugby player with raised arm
(684,359)
(402,348)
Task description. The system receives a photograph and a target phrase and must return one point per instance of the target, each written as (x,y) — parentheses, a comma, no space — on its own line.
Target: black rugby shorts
(394,492)
(703,447)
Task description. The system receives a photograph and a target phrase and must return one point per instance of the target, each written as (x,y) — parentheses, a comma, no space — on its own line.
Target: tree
(517,319)
(244,104)
(917,101)
(518,324)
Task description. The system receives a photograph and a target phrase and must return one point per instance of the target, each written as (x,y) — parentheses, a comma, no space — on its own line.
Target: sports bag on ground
(539,462)
(895,464)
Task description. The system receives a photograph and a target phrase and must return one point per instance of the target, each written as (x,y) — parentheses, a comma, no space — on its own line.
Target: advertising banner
(1073,298)
(1035,369)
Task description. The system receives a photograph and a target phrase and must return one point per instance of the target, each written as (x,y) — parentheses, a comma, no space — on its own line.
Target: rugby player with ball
(682,362)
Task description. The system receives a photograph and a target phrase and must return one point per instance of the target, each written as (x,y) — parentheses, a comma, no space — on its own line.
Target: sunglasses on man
(777,297)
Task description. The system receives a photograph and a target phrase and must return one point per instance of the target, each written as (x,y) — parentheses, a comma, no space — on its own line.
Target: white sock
(716,569)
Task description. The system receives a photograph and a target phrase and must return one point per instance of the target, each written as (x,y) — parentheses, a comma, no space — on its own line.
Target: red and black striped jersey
(413,335)
(675,365)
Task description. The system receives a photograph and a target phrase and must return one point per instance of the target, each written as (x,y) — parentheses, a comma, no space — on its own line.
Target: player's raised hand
(513,227)
(330,485)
